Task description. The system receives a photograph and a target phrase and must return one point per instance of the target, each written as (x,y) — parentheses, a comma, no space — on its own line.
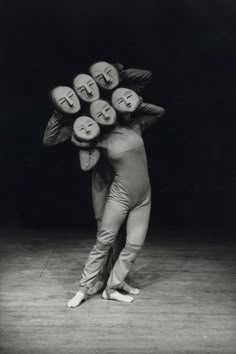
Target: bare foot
(117,296)
(76,300)
(129,289)
(98,286)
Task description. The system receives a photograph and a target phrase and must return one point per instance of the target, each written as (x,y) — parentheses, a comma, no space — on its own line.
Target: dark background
(189,46)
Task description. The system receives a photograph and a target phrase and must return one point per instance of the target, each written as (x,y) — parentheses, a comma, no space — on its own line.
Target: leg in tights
(102,178)
(114,215)
(137,225)
(113,254)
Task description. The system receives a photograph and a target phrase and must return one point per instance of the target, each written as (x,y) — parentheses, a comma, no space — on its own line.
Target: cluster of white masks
(86,87)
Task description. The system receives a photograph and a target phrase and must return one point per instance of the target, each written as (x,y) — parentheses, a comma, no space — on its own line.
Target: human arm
(57,130)
(147,114)
(81,144)
(88,158)
(135,79)
(88,153)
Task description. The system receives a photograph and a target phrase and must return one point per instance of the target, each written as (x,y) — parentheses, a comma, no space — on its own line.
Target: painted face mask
(125,100)
(105,74)
(86,129)
(65,100)
(86,88)
(103,113)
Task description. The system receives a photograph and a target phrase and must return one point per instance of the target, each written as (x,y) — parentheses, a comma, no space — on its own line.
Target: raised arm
(147,114)
(135,79)
(88,158)
(56,131)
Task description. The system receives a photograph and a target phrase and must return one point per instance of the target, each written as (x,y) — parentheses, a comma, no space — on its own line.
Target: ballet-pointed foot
(76,300)
(117,297)
(129,289)
(98,287)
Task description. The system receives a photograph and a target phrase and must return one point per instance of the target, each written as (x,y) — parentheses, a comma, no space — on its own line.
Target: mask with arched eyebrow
(86,88)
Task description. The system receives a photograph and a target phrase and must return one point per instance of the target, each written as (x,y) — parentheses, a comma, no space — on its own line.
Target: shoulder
(136,127)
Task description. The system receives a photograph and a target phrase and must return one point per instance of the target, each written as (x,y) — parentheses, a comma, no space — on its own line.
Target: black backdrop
(189,46)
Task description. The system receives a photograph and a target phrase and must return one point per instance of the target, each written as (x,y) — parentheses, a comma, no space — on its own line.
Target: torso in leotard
(125,150)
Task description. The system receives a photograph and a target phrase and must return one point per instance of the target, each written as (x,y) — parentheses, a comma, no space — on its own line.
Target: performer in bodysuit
(105,115)
(109,76)
(129,196)
(59,129)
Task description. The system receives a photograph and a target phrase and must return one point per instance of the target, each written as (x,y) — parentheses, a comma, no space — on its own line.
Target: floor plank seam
(49,257)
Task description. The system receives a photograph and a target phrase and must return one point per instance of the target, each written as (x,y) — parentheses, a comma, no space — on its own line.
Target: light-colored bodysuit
(102,177)
(59,130)
(129,196)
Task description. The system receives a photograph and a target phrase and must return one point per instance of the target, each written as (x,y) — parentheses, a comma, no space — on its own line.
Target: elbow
(47,142)
(50,140)
(86,168)
(162,112)
(149,76)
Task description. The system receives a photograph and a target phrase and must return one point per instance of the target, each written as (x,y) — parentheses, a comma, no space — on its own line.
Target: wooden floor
(187,302)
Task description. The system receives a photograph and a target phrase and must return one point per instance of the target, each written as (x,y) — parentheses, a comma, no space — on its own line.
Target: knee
(130,251)
(102,246)
(106,235)
(132,248)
